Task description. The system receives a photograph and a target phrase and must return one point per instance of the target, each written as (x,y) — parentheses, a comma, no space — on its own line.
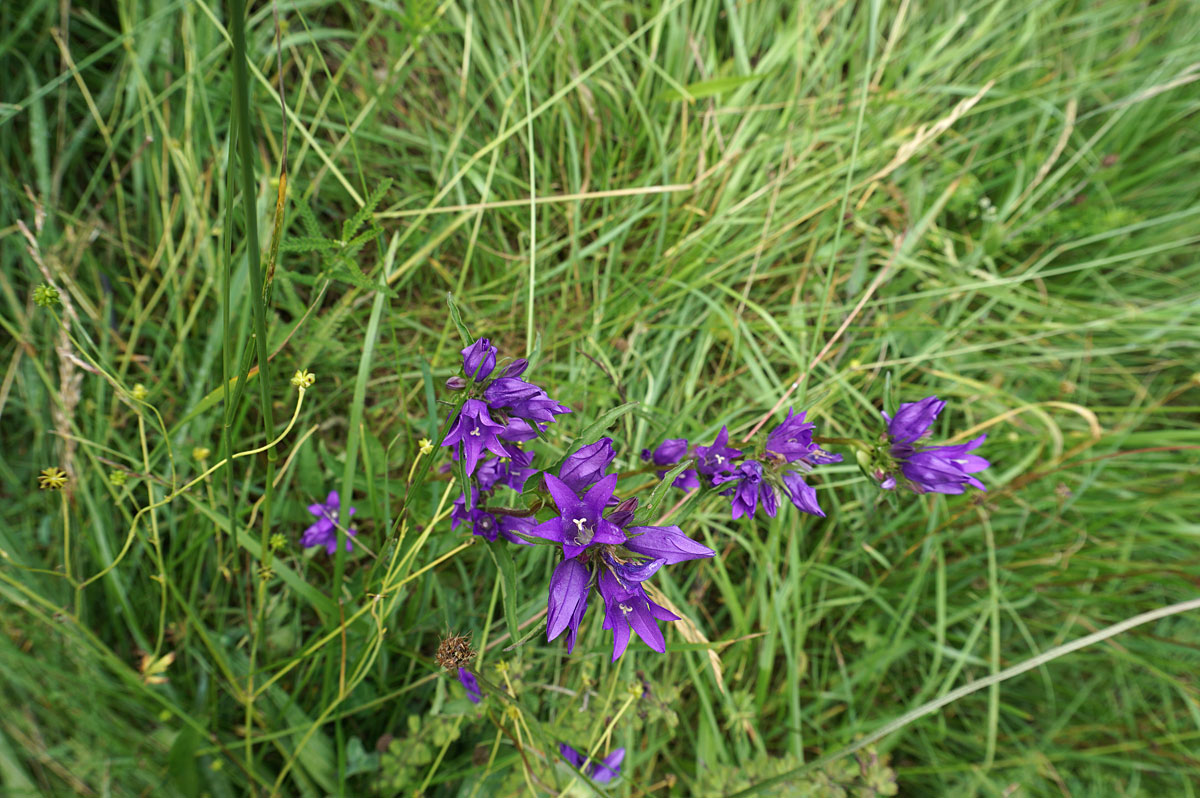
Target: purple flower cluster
(752,482)
(500,414)
(788,454)
(668,454)
(602,548)
(922,468)
(603,771)
(325,531)
(481,424)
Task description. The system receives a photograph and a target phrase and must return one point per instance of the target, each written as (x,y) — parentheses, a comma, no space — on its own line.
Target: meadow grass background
(685,204)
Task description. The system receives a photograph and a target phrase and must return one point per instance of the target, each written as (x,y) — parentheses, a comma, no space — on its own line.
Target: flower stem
(855,442)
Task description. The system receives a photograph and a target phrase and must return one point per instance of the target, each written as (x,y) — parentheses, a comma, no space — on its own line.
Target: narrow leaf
(647,512)
(508,584)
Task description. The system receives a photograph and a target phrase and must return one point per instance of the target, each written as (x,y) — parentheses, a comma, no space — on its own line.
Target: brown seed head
(454,652)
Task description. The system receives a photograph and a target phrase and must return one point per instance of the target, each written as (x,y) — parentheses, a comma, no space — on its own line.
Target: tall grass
(700,206)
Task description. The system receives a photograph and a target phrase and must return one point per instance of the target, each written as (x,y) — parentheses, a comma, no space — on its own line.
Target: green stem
(243,137)
(855,442)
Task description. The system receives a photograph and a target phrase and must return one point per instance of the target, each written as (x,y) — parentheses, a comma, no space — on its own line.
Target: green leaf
(463,332)
(181,762)
(646,513)
(366,212)
(508,584)
(710,88)
(592,431)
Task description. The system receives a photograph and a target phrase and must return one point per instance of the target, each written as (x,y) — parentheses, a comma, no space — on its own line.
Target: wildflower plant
(604,518)
(609,543)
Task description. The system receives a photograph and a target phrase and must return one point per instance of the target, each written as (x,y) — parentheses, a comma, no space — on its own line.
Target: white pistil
(475,432)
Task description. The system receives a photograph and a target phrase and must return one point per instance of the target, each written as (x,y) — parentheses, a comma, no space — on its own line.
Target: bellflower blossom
(923,468)
(471,684)
(325,531)
(479,360)
(627,608)
(490,526)
(603,771)
(718,458)
(584,468)
(522,399)
(668,454)
(475,431)
(600,551)
(580,522)
(792,443)
(749,489)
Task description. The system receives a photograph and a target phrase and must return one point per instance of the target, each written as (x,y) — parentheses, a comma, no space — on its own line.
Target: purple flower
(523,400)
(518,430)
(792,440)
(666,543)
(603,771)
(325,531)
(668,454)
(586,466)
(490,526)
(506,391)
(580,522)
(516,368)
(623,513)
(929,469)
(803,495)
(914,419)
(718,458)
(750,489)
(512,471)
(479,359)
(568,600)
(626,609)
(471,684)
(475,431)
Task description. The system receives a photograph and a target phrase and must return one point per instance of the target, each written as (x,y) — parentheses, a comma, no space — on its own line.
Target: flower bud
(622,514)
(516,368)
(479,359)
(456,383)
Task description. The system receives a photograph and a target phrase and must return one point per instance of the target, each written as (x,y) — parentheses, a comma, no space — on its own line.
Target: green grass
(691,205)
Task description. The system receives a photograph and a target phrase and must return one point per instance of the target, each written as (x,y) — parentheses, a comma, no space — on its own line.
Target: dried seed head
(454,652)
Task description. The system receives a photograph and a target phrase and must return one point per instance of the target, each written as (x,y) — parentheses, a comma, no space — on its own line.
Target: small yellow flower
(139,392)
(303,378)
(201,453)
(52,478)
(426,446)
(46,296)
(117,478)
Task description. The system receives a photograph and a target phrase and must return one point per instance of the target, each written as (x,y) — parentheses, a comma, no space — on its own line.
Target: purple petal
(568,586)
(914,419)
(565,499)
(803,495)
(599,494)
(667,543)
(549,530)
(644,624)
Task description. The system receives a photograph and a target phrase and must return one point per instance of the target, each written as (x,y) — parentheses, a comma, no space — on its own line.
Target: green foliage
(711,205)
(339,256)
(865,775)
